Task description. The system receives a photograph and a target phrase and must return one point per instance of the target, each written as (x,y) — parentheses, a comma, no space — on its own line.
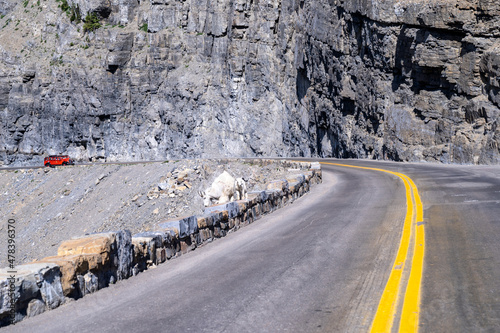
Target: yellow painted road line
(386,311)
(411,305)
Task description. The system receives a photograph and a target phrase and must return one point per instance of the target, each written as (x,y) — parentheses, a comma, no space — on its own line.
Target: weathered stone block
(280,185)
(36,281)
(232,208)
(206,235)
(247,218)
(243,205)
(145,250)
(296,178)
(317,177)
(4,300)
(187,245)
(115,247)
(205,221)
(35,307)
(87,284)
(257,197)
(124,254)
(169,240)
(161,256)
(218,218)
(47,278)
(256,211)
(171,245)
(157,237)
(219,231)
(93,244)
(185,226)
(74,265)
(151,248)
(294,187)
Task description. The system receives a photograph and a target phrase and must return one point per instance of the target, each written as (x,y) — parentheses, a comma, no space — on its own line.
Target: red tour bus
(53,160)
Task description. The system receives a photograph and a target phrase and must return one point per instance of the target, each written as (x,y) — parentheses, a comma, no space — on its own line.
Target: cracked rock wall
(400,80)
(404,80)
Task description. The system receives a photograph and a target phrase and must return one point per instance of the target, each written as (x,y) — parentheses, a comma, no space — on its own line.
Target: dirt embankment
(52,205)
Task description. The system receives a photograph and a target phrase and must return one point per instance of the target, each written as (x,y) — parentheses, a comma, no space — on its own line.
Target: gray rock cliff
(401,80)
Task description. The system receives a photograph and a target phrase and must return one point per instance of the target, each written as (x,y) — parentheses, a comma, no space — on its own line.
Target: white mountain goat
(224,189)
(241,189)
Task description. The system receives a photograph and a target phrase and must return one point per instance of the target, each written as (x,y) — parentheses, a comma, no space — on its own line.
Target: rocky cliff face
(405,80)
(402,80)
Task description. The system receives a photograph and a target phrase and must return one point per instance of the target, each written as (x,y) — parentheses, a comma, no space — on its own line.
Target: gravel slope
(51,205)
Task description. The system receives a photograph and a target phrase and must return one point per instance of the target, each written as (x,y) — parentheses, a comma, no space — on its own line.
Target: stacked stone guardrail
(86,264)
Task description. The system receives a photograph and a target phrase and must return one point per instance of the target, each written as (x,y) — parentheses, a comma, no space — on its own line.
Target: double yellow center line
(413,230)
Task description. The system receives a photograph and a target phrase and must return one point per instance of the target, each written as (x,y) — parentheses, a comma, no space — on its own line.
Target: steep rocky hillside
(403,80)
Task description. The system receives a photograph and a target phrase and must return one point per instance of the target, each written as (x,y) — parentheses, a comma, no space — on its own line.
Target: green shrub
(73,11)
(91,22)
(6,23)
(25,3)
(75,15)
(144,27)
(64,6)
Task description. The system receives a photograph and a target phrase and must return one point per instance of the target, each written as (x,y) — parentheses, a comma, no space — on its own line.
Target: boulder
(233,209)
(184,227)
(35,307)
(112,247)
(256,197)
(205,221)
(88,283)
(74,265)
(35,281)
(146,246)
(281,185)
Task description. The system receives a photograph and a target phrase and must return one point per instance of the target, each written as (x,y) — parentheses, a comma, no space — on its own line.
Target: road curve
(317,265)
(321,264)
(460,290)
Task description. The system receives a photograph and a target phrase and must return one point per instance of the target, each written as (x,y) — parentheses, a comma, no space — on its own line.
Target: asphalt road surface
(321,264)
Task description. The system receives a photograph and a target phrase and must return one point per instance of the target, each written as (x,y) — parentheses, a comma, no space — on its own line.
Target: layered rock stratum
(402,80)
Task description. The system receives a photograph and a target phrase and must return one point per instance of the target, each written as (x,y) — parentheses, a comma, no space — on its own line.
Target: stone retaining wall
(86,264)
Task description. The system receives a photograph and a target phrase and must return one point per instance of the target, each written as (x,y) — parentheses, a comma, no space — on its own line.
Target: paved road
(461,289)
(321,264)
